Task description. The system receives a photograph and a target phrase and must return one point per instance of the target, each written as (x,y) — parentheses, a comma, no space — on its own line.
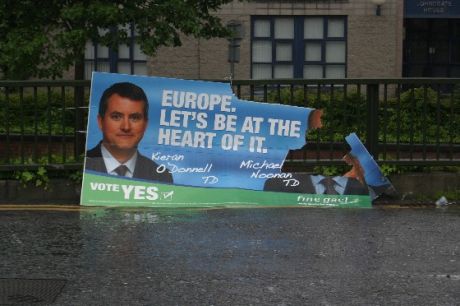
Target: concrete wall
(374,42)
(59,191)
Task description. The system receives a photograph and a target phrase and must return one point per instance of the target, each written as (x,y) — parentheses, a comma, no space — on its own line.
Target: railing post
(372,137)
(79,96)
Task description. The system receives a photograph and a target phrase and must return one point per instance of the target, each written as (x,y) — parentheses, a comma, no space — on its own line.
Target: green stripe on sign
(99,190)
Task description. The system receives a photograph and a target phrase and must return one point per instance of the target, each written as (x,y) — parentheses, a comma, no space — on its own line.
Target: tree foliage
(44,38)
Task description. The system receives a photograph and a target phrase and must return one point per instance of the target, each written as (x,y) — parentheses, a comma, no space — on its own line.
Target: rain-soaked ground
(268,256)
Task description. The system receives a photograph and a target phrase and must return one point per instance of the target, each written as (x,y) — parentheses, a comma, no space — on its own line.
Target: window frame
(113,58)
(298,43)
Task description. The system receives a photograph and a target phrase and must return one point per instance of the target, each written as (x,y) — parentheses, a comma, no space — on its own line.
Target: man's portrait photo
(350,183)
(123,118)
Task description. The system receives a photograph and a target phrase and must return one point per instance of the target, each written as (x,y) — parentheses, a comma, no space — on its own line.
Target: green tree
(44,38)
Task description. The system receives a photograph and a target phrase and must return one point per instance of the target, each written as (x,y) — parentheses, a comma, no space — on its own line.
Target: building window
(307,47)
(128,59)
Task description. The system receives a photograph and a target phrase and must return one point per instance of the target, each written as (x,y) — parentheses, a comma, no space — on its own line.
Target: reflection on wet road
(263,256)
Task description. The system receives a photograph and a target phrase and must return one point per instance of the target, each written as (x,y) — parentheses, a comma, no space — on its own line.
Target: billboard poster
(162,142)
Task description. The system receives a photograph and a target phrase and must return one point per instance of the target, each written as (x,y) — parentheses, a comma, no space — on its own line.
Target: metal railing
(42,123)
(410,121)
(401,121)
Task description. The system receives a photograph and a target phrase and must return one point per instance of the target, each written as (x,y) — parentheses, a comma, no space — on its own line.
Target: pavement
(264,256)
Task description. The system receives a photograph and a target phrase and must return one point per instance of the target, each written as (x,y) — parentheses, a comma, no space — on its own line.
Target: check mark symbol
(168,194)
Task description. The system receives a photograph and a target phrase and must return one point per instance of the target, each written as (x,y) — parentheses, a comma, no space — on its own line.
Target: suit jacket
(306,185)
(144,169)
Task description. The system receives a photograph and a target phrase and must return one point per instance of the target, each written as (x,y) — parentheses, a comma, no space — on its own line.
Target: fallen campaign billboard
(164,142)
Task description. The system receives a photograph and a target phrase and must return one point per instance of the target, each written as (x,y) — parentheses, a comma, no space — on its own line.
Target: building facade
(309,39)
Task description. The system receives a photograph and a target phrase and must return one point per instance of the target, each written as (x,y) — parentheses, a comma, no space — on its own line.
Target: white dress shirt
(111,163)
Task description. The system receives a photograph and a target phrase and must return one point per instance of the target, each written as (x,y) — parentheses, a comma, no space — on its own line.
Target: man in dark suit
(123,119)
(317,184)
(351,183)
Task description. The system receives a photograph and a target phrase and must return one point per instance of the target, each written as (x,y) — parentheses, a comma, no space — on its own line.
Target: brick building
(310,39)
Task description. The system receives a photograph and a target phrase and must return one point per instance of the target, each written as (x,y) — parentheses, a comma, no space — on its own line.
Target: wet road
(286,256)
